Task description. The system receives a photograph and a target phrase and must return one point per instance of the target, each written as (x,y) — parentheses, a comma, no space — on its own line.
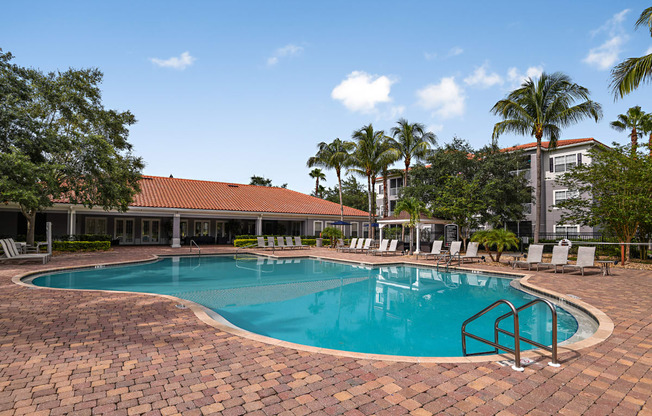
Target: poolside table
(604,266)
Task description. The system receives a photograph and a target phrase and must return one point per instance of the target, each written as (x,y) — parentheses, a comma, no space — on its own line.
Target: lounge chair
(585,260)
(471,253)
(261,243)
(9,247)
(365,247)
(383,247)
(559,258)
(299,244)
(392,249)
(435,251)
(453,251)
(281,243)
(354,241)
(289,243)
(358,246)
(534,257)
(271,243)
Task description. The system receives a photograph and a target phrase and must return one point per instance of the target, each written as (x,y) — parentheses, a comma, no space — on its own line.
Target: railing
(243,247)
(516,351)
(196,245)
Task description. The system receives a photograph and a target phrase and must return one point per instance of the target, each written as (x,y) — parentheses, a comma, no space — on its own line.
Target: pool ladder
(196,245)
(448,262)
(516,334)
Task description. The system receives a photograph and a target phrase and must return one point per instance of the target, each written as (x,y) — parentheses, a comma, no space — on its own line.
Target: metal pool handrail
(196,245)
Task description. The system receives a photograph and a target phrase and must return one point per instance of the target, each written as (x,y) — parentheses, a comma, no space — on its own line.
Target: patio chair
(281,243)
(534,257)
(435,251)
(354,241)
(358,246)
(392,249)
(585,260)
(271,243)
(453,251)
(383,247)
(261,243)
(365,247)
(9,247)
(471,253)
(299,244)
(559,258)
(290,243)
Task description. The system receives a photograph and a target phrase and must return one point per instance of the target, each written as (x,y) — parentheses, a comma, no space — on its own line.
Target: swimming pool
(394,310)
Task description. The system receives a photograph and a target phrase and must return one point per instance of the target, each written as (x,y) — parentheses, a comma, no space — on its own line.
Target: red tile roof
(546,145)
(162,192)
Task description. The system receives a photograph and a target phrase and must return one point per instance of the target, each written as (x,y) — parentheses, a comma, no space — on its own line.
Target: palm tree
(498,237)
(634,121)
(317,175)
(370,155)
(629,74)
(647,129)
(541,108)
(335,155)
(414,207)
(412,142)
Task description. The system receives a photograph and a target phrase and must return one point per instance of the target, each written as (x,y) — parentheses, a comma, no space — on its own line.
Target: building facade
(555,162)
(173,211)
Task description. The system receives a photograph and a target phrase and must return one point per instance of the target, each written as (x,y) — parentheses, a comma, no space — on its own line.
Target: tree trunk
(30,216)
(411,238)
(386,194)
(373,205)
(317,187)
(369,200)
(634,137)
(405,174)
(537,198)
(650,142)
(339,182)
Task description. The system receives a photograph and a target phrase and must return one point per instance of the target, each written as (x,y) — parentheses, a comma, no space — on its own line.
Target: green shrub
(307,241)
(81,245)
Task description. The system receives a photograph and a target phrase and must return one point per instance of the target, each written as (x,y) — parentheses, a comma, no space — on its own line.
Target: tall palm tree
(317,175)
(540,108)
(647,129)
(413,142)
(634,122)
(629,74)
(414,207)
(370,155)
(334,155)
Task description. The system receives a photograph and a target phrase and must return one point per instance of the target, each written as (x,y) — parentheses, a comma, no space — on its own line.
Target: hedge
(81,245)
(306,241)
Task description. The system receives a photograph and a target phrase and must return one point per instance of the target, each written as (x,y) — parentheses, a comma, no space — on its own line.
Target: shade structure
(374,224)
(341,223)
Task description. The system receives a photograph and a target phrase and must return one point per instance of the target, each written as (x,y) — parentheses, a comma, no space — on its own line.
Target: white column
(418,239)
(176,231)
(380,231)
(72,219)
(259,225)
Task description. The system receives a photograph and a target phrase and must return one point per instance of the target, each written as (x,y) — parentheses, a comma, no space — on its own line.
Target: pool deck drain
(71,352)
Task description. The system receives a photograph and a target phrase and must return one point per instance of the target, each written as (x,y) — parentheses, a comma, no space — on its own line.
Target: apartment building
(555,161)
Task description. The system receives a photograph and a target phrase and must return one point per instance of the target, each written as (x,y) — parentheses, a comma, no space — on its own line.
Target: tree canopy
(354,194)
(58,142)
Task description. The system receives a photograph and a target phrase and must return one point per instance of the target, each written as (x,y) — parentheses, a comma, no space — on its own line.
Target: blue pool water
(396,310)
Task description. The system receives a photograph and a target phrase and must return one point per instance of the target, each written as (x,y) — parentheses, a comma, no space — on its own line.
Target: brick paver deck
(87,353)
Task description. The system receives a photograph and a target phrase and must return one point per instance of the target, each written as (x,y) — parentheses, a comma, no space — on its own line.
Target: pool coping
(213,319)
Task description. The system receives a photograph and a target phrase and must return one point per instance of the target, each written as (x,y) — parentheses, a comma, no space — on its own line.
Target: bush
(86,237)
(81,245)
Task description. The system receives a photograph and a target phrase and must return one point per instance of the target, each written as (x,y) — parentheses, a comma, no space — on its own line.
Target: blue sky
(226,90)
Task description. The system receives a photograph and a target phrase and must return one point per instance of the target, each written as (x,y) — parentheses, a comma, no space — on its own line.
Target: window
(564,195)
(392,206)
(202,228)
(395,186)
(183,229)
(527,209)
(95,225)
(354,229)
(150,230)
(365,230)
(566,163)
(319,226)
(567,229)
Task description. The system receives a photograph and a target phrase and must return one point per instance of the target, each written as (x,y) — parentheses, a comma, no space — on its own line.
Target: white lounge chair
(354,241)
(585,260)
(534,257)
(453,251)
(365,247)
(281,243)
(392,249)
(271,243)
(299,244)
(435,251)
(383,247)
(9,247)
(289,243)
(559,258)
(261,243)
(471,253)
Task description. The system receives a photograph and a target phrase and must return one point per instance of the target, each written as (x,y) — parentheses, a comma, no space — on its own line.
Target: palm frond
(629,74)
(645,19)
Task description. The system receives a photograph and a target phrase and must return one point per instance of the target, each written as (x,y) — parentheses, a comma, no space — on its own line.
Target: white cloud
(481,78)
(285,51)
(446,99)
(396,111)
(649,50)
(607,54)
(429,56)
(180,63)
(455,50)
(362,92)
(516,78)
(435,128)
